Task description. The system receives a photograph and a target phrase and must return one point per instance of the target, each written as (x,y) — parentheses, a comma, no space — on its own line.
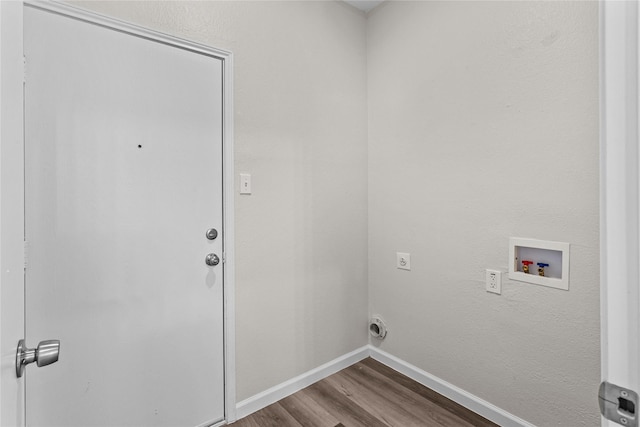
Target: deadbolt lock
(211,233)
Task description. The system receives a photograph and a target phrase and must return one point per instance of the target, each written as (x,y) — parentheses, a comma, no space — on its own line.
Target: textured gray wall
(483,125)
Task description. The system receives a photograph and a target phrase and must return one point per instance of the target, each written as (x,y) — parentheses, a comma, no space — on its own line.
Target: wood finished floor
(367,394)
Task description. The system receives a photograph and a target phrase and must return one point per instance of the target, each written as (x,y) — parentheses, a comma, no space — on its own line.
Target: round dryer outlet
(377,328)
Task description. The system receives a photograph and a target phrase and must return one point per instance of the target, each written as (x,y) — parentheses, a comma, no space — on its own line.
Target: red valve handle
(527,262)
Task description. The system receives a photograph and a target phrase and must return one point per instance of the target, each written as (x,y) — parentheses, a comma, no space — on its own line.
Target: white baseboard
(464,398)
(287,388)
(468,400)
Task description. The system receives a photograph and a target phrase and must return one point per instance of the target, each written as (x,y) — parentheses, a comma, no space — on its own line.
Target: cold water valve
(525,266)
(541,266)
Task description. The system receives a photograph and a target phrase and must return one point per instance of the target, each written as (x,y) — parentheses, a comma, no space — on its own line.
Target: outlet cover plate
(493,281)
(403,260)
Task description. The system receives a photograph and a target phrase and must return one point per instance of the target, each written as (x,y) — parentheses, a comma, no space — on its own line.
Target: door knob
(45,354)
(212,259)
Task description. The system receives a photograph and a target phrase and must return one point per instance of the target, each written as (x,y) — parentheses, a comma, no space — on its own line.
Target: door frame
(12,194)
(619,195)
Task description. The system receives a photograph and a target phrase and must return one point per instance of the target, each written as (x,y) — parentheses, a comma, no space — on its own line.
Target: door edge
(11,210)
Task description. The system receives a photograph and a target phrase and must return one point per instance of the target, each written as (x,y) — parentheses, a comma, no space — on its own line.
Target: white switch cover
(245,183)
(403,261)
(493,281)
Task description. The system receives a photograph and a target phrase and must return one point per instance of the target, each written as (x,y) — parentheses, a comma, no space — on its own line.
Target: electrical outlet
(403,261)
(493,281)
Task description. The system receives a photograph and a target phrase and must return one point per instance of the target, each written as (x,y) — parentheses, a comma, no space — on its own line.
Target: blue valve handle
(542,264)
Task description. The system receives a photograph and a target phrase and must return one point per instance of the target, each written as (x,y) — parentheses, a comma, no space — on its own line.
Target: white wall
(483,124)
(300,129)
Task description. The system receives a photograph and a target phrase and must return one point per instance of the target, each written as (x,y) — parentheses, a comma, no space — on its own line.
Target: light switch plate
(245,183)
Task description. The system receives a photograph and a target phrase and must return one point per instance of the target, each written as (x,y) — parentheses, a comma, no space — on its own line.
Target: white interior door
(123,176)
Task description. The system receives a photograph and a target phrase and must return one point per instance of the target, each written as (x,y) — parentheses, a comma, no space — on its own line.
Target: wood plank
(247,421)
(444,402)
(393,400)
(372,400)
(350,414)
(271,416)
(307,411)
